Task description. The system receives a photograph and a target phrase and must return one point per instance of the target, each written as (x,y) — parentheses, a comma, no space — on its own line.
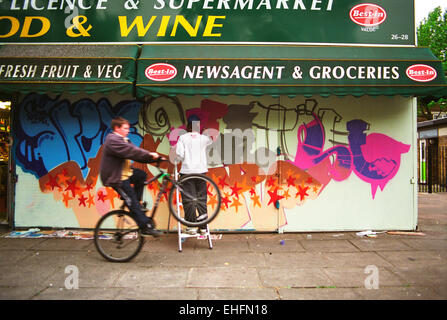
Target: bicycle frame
(166,178)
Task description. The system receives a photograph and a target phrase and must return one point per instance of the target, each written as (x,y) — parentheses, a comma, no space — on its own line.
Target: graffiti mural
(267,157)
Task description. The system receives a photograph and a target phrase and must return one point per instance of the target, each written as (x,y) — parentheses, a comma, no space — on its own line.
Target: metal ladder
(183,236)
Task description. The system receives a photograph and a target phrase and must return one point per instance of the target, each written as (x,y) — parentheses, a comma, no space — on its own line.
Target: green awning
(67,68)
(288,70)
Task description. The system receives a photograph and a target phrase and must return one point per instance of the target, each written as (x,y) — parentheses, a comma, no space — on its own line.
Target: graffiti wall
(293,164)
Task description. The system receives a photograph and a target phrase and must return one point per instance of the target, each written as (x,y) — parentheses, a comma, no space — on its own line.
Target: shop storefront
(312,136)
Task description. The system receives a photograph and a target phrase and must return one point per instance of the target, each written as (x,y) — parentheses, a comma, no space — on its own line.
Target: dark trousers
(197,188)
(135,194)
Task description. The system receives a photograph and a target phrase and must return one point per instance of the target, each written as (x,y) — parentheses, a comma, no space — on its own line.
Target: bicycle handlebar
(158,161)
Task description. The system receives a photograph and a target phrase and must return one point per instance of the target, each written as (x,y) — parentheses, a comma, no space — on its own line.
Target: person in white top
(191,150)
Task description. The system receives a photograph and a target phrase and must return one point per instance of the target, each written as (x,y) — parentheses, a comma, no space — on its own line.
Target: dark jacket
(115,151)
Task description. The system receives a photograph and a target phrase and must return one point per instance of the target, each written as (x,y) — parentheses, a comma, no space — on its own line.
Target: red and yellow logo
(160,72)
(367,14)
(421,73)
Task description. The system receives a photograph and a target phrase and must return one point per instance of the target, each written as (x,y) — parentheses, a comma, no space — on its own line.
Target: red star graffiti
(82,200)
(235,190)
(222,182)
(302,192)
(88,187)
(101,196)
(274,196)
(252,191)
(225,201)
(52,183)
(62,177)
(291,181)
(71,186)
(271,181)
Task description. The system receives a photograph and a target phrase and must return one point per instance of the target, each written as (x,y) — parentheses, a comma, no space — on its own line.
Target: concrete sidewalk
(240,266)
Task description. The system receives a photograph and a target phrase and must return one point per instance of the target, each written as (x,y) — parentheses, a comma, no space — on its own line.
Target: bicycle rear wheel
(191,207)
(117,236)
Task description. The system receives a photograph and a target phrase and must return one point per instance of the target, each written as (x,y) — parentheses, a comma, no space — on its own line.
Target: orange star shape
(236,203)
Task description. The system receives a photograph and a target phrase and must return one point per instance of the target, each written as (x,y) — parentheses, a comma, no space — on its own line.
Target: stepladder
(183,236)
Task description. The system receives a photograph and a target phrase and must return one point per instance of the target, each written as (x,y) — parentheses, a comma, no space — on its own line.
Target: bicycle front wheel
(117,236)
(195,200)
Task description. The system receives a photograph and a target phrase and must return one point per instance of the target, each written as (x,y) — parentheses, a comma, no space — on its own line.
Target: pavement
(241,266)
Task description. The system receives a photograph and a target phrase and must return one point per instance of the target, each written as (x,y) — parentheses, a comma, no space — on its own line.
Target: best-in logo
(160,72)
(367,14)
(421,73)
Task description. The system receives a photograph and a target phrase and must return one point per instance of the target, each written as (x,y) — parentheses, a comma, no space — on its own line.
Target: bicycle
(117,236)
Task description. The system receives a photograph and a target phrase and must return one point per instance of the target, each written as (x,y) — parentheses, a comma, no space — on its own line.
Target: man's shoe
(202,232)
(150,231)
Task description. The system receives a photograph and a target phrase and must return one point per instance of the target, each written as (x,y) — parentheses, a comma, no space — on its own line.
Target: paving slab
(153,278)
(62,245)
(41,259)
(354,259)
(380,244)
(221,245)
(399,293)
(338,245)
(294,278)
(223,277)
(434,276)
(356,277)
(318,294)
(171,259)
(426,244)
(412,258)
(19,292)
(238,294)
(236,259)
(55,293)
(149,293)
(88,276)
(27,276)
(275,245)
(298,260)
(10,257)
(18,243)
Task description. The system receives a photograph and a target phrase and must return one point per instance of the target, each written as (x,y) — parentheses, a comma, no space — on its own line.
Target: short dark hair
(192,118)
(118,122)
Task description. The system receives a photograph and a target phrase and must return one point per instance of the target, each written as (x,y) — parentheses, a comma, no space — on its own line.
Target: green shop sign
(382,22)
(287,70)
(67,68)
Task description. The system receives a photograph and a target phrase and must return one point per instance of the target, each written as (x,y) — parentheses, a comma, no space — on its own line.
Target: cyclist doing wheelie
(116,172)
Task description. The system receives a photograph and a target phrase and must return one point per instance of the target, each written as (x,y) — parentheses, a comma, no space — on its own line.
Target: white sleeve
(208,140)
(180,149)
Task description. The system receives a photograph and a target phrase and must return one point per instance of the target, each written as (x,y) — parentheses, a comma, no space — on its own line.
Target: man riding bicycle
(116,171)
